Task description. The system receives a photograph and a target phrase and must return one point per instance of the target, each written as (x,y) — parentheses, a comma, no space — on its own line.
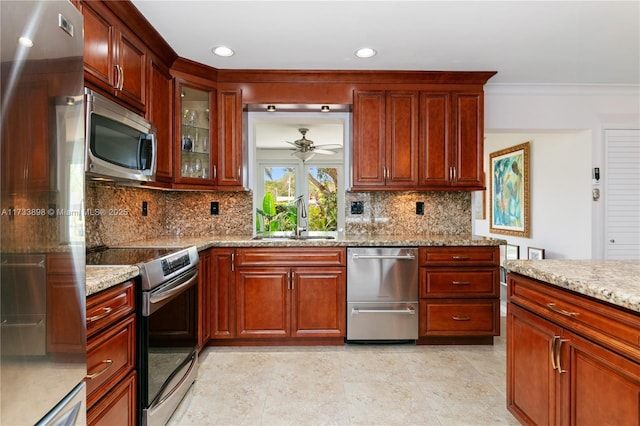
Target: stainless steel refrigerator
(42,250)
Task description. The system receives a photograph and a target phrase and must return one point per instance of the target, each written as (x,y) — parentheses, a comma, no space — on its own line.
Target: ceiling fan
(305,149)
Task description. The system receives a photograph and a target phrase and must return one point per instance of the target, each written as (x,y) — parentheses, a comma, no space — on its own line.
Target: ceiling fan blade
(329,146)
(323,151)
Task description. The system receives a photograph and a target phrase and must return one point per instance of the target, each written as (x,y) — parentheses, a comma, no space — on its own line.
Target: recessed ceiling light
(223,51)
(271,108)
(325,108)
(365,52)
(25,41)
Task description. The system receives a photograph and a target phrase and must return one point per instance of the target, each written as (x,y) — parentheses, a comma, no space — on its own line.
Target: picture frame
(534,253)
(512,252)
(509,191)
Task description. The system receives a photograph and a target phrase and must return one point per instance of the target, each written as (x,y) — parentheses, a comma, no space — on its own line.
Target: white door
(622,194)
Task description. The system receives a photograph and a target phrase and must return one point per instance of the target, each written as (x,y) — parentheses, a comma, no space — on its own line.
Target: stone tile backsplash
(187,213)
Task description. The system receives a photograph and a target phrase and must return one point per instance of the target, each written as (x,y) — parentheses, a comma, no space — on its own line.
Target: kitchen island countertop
(613,281)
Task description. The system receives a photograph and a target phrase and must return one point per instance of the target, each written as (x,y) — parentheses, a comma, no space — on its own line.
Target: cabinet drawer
(449,256)
(608,325)
(457,282)
(118,407)
(459,317)
(291,256)
(110,357)
(109,306)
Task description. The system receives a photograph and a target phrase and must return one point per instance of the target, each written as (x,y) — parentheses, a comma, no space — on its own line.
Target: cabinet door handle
(105,311)
(455,178)
(457,318)
(460,257)
(552,352)
(559,355)
(107,363)
(292,280)
(121,79)
(215,172)
(552,306)
(460,282)
(233,262)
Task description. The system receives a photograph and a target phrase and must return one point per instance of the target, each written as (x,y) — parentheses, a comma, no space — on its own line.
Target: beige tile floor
(350,385)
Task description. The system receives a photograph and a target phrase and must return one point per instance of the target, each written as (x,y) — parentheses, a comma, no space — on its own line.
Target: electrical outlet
(144,208)
(357,207)
(420,207)
(215,208)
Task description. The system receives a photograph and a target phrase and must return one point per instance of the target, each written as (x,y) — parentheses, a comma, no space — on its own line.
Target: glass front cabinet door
(196,135)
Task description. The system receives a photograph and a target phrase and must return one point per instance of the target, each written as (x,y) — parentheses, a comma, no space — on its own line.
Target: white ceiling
(527,42)
(532,42)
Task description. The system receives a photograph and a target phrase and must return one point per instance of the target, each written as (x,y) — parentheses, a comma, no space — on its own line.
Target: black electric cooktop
(125,256)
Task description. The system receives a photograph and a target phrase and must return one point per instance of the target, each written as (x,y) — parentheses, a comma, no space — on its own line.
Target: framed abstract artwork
(509,191)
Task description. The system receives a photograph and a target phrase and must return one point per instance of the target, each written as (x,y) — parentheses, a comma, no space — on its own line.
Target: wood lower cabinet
(279,295)
(570,360)
(111,375)
(223,298)
(204,298)
(459,294)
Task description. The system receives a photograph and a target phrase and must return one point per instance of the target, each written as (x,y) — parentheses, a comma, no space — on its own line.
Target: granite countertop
(102,277)
(612,281)
(339,240)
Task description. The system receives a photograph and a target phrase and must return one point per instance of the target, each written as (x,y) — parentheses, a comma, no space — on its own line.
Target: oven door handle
(409,310)
(174,289)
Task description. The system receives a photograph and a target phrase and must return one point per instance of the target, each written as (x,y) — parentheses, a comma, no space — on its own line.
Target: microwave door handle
(140,148)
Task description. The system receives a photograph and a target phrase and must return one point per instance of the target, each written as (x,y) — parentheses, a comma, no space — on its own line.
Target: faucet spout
(301,217)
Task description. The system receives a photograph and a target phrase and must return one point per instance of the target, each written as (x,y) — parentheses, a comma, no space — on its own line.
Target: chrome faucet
(301,215)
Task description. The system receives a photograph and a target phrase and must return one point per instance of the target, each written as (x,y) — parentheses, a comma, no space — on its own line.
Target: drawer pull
(107,363)
(552,306)
(457,318)
(460,257)
(460,282)
(106,311)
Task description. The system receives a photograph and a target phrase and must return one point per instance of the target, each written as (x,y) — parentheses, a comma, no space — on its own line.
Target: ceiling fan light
(304,156)
(365,52)
(325,108)
(271,108)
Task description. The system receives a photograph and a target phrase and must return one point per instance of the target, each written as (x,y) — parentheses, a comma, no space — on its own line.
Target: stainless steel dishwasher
(382,293)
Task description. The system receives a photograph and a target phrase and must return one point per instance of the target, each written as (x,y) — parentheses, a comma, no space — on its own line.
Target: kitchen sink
(292,237)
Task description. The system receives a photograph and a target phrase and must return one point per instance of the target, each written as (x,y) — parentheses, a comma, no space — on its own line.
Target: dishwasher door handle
(410,311)
(383,256)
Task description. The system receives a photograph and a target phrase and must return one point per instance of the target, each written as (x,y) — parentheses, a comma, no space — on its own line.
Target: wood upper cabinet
(451,140)
(195,144)
(26,148)
(385,142)
(229,160)
(115,58)
(570,360)
(160,112)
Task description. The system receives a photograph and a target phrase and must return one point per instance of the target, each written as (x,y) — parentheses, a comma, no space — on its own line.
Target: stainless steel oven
(167,356)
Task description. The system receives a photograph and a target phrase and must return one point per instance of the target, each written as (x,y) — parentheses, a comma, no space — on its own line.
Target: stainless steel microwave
(120,144)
